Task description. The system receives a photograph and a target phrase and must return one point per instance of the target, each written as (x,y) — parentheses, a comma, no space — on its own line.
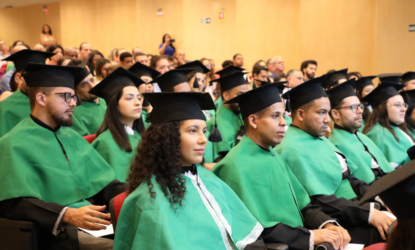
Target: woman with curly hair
(121,130)
(173,202)
(386,124)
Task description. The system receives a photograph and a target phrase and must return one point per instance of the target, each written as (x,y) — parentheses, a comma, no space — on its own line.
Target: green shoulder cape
(120,160)
(208,155)
(394,151)
(218,102)
(88,117)
(288,120)
(353,147)
(12,110)
(315,164)
(209,213)
(264,183)
(144,115)
(32,164)
(228,125)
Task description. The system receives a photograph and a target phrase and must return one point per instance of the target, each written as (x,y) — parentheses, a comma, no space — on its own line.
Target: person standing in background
(166,47)
(46,37)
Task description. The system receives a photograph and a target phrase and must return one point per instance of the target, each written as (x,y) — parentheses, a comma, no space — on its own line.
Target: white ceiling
(19,3)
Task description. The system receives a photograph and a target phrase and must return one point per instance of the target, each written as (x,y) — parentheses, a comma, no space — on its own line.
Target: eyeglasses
(399,105)
(353,107)
(68,97)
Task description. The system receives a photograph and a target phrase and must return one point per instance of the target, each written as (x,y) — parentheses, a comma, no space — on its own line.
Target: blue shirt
(5,80)
(169,51)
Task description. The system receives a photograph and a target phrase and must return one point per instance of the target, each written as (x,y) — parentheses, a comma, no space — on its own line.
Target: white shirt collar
(129,130)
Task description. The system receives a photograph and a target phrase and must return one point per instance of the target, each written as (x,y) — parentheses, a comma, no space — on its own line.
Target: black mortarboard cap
(333,77)
(229,70)
(390,77)
(408,96)
(140,70)
(23,57)
(257,99)
(196,65)
(305,93)
(42,75)
(178,106)
(363,82)
(397,191)
(338,93)
(115,82)
(408,76)
(382,93)
(281,86)
(231,81)
(171,78)
(81,75)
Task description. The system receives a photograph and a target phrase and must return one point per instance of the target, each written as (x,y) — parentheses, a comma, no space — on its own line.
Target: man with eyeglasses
(48,173)
(89,115)
(16,107)
(358,148)
(323,170)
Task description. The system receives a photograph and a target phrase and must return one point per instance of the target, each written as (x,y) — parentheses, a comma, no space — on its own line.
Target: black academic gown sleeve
(113,189)
(297,238)
(314,216)
(348,212)
(358,186)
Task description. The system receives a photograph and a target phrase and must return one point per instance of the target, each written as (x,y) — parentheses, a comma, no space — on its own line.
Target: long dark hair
(43,29)
(159,156)
(113,123)
(402,236)
(409,123)
(100,63)
(380,115)
(90,62)
(52,47)
(171,44)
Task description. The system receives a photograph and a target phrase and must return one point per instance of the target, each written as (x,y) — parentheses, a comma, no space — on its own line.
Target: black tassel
(287,104)
(215,136)
(146,103)
(195,84)
(408,98)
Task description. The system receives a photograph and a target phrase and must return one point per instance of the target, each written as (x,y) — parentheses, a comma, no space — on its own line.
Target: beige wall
(370,36)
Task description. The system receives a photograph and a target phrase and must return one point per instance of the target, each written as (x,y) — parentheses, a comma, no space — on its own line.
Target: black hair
(171,44)
(125,55)
(52,47)
(90,62)
(257,69)
(305,64)
(227,63)
(236,56)
(43,29)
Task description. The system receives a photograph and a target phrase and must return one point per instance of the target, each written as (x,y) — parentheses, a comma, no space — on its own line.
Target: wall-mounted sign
(412,28)
(221,15)
(206,20)
(160,12)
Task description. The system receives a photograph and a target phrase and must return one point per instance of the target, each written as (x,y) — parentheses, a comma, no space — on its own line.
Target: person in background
(271,67)
(101,69)
(309,69)
(84,51)
(39,47)
(141,58)
(211,75)
(64,61)
(173,62)
(181,56)
(71,53)
(279,65)
(227,63)
(166,47)
(92,60)
(280,78)
(259,73)
(408,79)
(294,78)
(112,56)
(238,60)
(213,66)
(136,50)
(5,79)
(46,37)
(355,75)
(58,51)
(3,50)
(149,57)
(126,60)
(14,86)
(118,54)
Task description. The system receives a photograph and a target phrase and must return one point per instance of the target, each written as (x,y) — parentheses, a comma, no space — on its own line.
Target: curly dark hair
(401,237)
(159,155)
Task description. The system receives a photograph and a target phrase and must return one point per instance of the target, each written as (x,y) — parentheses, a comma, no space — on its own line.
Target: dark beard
(310,77)
(62,121)
(235,108)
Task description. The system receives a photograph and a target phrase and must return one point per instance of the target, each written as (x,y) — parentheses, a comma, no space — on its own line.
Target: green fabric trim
(88,117)
(120,160)
(264,183)
(42,171)
(314,162)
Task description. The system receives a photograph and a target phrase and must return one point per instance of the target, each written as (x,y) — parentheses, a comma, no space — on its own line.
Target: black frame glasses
(67,97)
(353,107)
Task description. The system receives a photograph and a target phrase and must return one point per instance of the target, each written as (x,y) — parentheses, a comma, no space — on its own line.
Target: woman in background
(58,50)
(46,37)
(166,47)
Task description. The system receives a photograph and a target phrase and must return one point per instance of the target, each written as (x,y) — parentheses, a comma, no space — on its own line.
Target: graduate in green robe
(120,133)
(363,87)
(227,118)
(386,125)
(89,115)
(323,170)
(335,78)
(16,107)
(146,74)
(49,174)
(174,203)
(263,181)
(409,98)
(358,148)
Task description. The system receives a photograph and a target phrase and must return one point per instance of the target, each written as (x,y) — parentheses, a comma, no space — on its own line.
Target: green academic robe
(208,154)
(353,147)
(12,110)
(288,120)
(394,151)
(120,160)
(362,127)
(229,125)
(264,183)
(88,117)
(315,164)
(210,212)
(144,115)
(218,102)
(44,172)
